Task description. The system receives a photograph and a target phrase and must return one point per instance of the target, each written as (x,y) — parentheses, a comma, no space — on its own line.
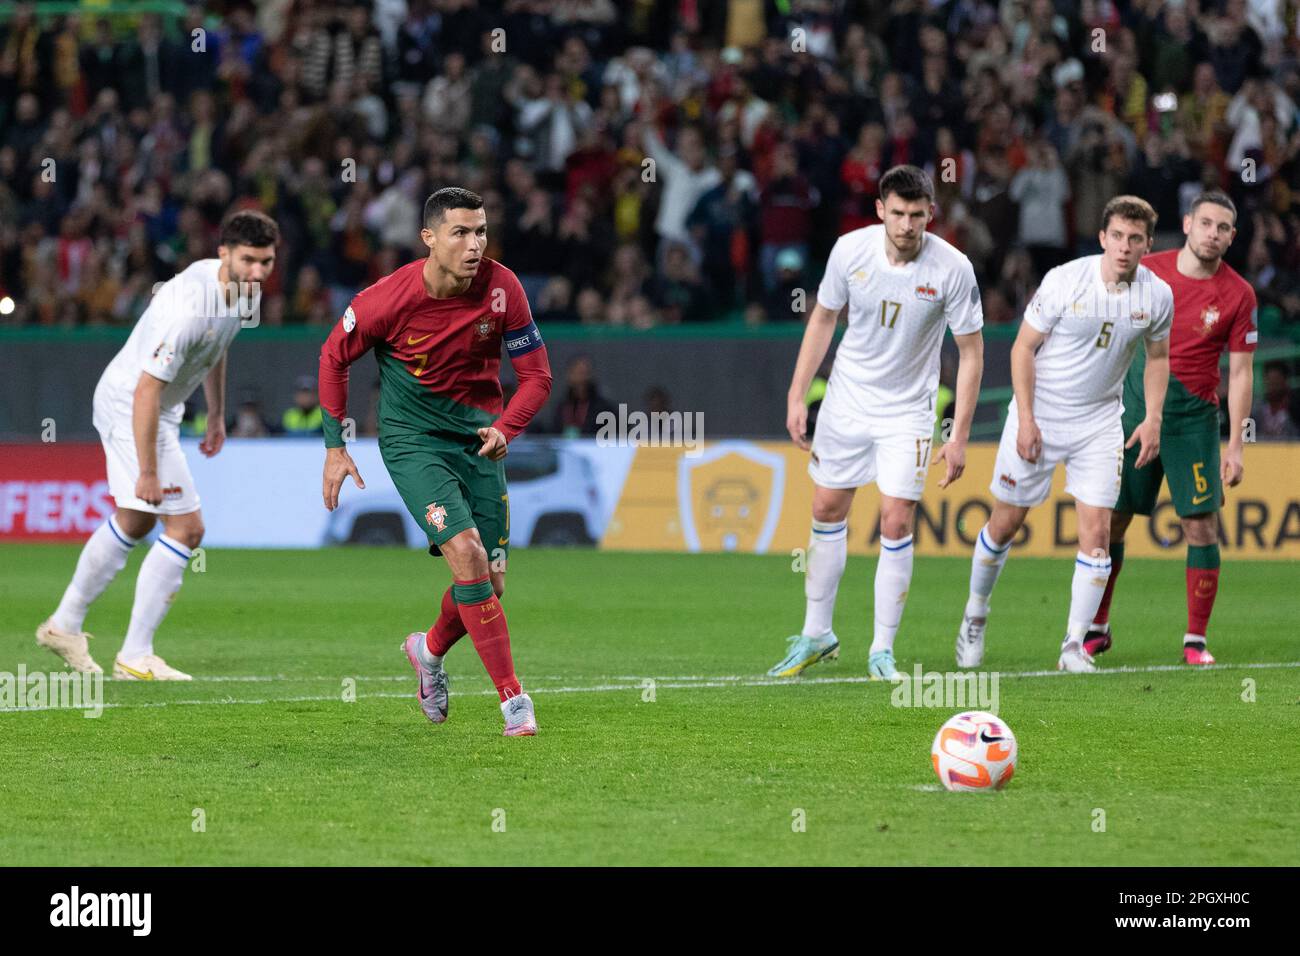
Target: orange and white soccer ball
(975,750)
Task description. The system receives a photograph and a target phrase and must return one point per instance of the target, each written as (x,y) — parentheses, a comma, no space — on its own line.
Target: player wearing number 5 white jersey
(1077,341)
(179,343)
(903,287)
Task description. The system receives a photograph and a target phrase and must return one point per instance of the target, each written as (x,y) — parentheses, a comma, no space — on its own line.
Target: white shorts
(850,451)
(1093,456)
(180,497)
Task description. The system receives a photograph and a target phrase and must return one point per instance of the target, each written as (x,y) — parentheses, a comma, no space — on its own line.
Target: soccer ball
(974,751)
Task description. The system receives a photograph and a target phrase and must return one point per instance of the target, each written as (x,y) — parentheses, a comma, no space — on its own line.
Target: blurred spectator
(581,400)
(249,420)
(1042,190)
(785,213)
(721,225)
(685,176)
(789,299)
(677,291)
(1274,413)
(303,417)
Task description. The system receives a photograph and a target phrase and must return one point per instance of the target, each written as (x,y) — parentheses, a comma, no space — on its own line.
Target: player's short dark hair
(449,197)
(1130,207)
(1219,198)
(249,227)
(906,182)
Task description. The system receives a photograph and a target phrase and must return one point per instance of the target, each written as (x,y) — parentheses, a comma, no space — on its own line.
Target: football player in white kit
(1079,336)
(902,286)
(179,342)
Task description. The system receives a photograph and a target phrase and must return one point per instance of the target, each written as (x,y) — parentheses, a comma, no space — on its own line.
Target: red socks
(448,629)
(484,619)
(1202,586)
(1116,562)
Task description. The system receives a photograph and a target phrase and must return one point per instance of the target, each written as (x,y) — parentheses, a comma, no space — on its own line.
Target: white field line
(666,683)
(747,680)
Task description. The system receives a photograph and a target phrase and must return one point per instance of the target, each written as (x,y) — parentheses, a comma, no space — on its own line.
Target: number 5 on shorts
(1202,485)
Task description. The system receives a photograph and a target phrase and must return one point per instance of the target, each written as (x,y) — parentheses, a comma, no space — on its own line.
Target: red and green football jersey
(1209,315)
(439,359)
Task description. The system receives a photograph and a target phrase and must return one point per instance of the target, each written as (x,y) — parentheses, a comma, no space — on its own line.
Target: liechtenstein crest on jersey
(1141,318)
(927,292)
(1209,316)
(436,515)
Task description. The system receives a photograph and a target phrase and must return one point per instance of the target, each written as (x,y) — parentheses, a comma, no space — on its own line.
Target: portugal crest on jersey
(1209,316)
(436,515)
(483,328)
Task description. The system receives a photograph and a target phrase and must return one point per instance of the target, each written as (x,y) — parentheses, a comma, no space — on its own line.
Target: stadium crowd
(124,138)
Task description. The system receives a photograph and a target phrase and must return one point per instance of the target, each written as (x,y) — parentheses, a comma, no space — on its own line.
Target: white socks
(159,579)
(893,578)
(1090,576)
(828,550)
(986,564)
(101,559)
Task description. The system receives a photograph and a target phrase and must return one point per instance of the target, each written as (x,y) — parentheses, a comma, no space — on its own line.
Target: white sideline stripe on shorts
(667,683)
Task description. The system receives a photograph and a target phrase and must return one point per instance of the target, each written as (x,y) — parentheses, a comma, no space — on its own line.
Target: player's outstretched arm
(214,391)
(1155,382)
(1029,440)
(817,335)
(970,351)
(352,337)
(145,407)
(1241,384)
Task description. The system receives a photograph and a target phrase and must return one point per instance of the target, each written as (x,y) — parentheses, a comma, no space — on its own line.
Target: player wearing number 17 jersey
(903,287)
(1077,340)
(437,326)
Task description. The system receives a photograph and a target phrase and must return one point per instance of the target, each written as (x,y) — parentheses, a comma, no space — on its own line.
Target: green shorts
(448,488)
(1189,459)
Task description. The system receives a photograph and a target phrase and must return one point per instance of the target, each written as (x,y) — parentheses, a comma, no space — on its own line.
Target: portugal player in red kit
(1214,308)
(437,325)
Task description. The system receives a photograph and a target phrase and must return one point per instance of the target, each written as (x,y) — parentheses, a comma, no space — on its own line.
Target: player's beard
(905,246)
(1210,261)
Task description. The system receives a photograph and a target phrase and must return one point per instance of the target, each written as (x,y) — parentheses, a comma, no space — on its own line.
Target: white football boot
(520,719)
(1075,660)
(73,648)
(970,641)
(146,667)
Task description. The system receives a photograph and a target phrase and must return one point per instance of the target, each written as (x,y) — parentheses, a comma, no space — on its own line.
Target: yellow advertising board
(757,497)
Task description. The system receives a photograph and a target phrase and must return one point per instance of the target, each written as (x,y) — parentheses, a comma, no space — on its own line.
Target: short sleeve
(179,330)
(520,331)
(833,293)
(1162,319)
(1244,335)
(1043,311)
(962,308)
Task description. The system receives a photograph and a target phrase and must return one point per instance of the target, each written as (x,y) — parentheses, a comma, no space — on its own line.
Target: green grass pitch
(714,770)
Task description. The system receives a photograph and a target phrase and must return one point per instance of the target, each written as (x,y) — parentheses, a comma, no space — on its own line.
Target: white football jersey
(887,365)
(183,333)
(1092,334)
